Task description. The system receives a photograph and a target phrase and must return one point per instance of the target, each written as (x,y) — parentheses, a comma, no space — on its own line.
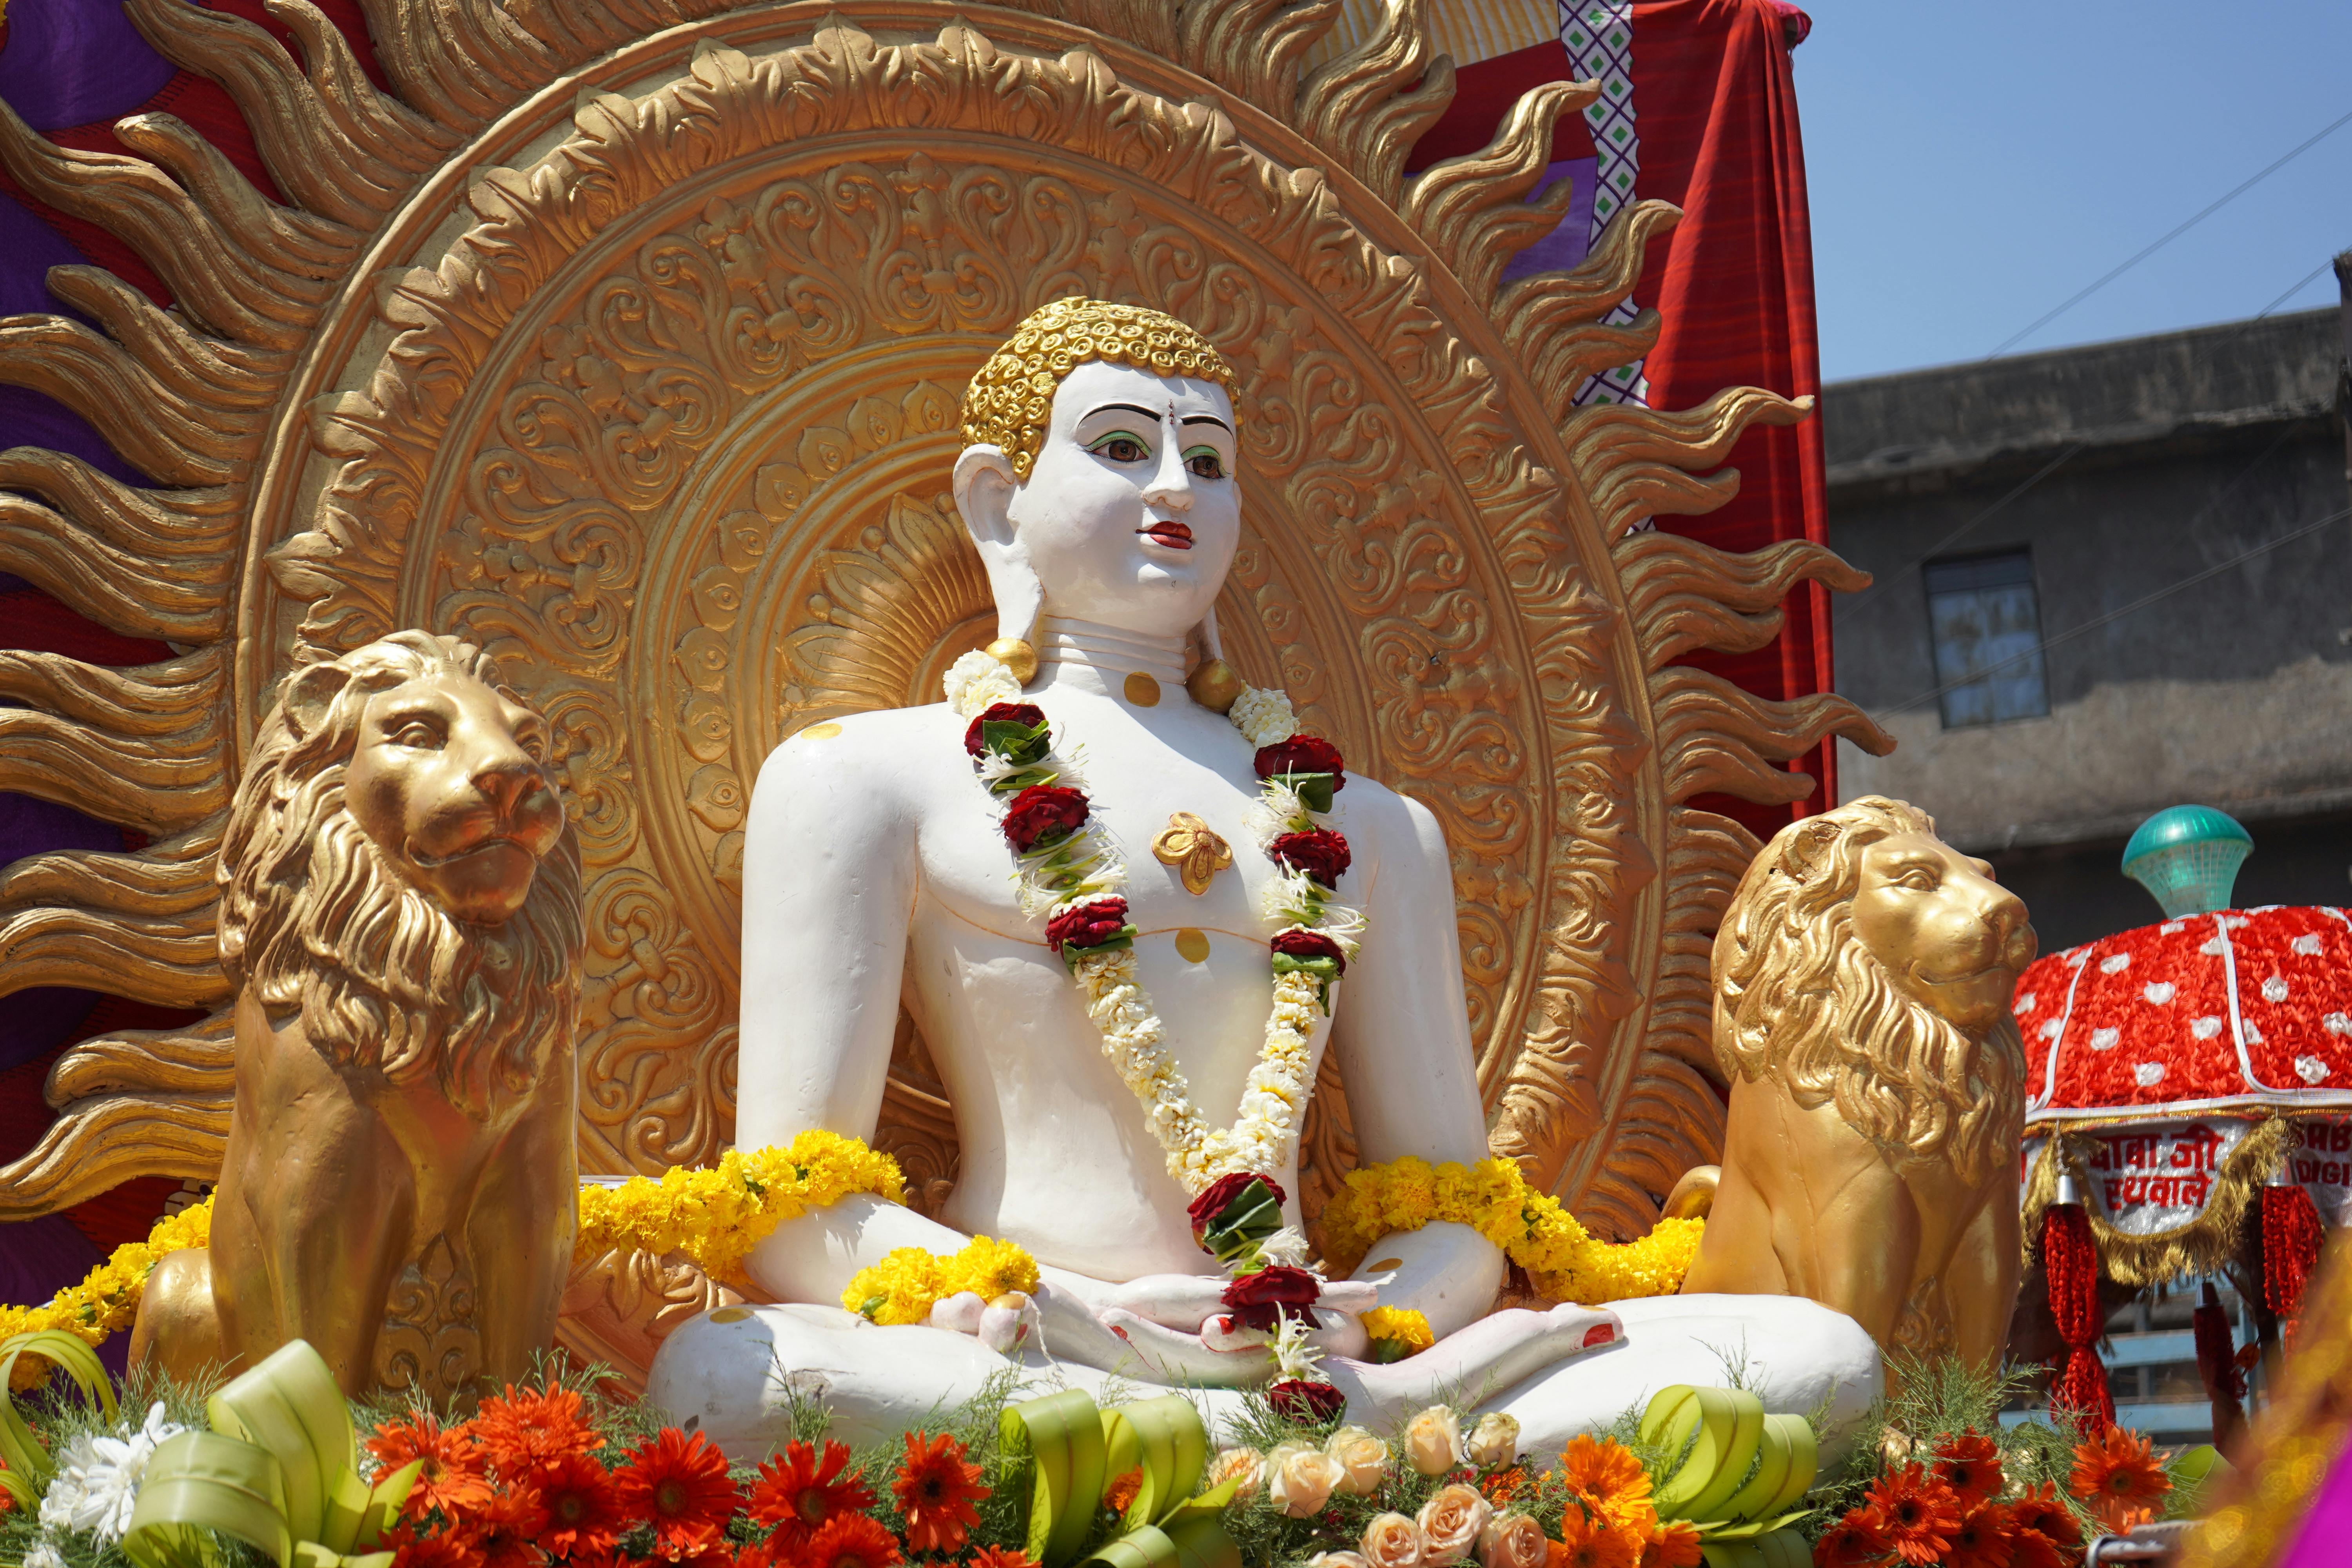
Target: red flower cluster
(1302,755)
(1262,1300)
(1027,714)
(1308,1403)
(1090,924)
(1044,815)
(521,1485)
(1948,1513)
(1310,945)
(1204,1209)
(1319,853)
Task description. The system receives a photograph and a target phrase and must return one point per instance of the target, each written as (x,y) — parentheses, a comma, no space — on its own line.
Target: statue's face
(1131,512)
(447,780)
(1948,936)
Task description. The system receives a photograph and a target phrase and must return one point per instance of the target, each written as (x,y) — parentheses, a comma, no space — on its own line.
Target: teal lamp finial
(2187,856)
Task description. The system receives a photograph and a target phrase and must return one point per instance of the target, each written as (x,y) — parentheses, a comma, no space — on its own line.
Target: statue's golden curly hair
(313,920)
(1009,401)
(1799,998)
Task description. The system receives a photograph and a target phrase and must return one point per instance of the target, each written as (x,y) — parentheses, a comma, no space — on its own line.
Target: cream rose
(1512,1541)
(1392,1541)
(1299,1479)
(1494,1441)
(1246,1463)
(1433,1440)
(1450,1522)
(1337,1560)
(1363,1459)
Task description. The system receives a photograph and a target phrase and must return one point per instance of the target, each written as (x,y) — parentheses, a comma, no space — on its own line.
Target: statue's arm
(1402,1032)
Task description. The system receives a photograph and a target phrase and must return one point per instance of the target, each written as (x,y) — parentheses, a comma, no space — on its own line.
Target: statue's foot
(738,1372)
(1795,1355)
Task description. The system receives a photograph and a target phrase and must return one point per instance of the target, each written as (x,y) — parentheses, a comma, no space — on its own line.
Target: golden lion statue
(1862,978)
(401,918)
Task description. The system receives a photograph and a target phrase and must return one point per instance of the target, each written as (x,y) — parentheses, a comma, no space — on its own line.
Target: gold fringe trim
(2200,1247)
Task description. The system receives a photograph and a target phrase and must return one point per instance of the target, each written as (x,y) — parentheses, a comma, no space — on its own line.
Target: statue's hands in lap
(1178,1324)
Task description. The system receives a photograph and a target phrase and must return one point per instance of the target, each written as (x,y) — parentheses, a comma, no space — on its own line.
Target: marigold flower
(505,1531)
(851,1541)
(1857,1541)
(797,1493)
(1970,1466)
(1594,1543)
(1919,1513)
(1673,1543)
(1610,1481)
(2044,1531)
(936,1489)
(583,1508)
(679,1486)
(1120,1495)
(2119,1479)
(452,1479)
(1982,1540)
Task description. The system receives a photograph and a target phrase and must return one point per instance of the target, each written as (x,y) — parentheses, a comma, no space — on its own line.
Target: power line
(2143,602)
(2240,190)
(2300,284)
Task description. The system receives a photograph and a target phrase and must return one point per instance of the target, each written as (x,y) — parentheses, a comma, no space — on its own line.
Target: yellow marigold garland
(1399,1326)
(108,1298)
(903,1286)
(717,1216)
(1561,1259)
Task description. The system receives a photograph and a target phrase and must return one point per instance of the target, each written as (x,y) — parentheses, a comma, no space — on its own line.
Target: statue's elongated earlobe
(984,486)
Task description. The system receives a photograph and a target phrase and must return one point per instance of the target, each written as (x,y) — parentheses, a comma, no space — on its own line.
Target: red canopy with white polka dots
(2235,1009)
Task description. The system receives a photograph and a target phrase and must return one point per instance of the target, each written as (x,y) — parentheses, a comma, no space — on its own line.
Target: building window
(1986,626)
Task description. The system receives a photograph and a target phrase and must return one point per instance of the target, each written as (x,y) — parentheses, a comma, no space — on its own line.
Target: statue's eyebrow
(1121,407)
(1208,419)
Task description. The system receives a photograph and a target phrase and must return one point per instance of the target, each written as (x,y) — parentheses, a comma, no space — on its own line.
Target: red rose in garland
(1308,945)
(1044,814)
(1261,1300)
(1308,1403)
(1027,714)
(1302,755)
(1087,925)
(1320,854)
(1205,1208)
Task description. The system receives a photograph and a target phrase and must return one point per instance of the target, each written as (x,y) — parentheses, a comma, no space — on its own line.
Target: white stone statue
(1106,511)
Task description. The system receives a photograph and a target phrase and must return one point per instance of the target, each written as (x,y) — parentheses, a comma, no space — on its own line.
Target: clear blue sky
(1972,165)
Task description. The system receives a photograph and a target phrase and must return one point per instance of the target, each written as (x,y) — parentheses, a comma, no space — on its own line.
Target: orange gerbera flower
(442,1549)
(521,1431)
(2119,1478)
(936,1489)
(1857,1541)
(583,1508)
(1918,1512)
(1593,1544)
(506,1530)
(1610,1481)
(1970,1466)
(798,1493)
(2044,1531)
(452,1480)
(679,1486)
(1983,1539)
(1673,1543)
(1002,1557)
(851,1541)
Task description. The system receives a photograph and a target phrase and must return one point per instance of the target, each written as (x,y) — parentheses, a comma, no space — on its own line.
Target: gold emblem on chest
(1197,852)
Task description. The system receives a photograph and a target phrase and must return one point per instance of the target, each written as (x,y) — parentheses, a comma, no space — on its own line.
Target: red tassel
(2290,1238)
(2072,1263)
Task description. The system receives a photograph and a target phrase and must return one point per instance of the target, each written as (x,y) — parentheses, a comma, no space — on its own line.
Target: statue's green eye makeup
(1121,446)
(1204,463)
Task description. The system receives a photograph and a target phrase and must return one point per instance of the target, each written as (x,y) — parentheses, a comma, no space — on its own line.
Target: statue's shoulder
(1387,824)
(883,749)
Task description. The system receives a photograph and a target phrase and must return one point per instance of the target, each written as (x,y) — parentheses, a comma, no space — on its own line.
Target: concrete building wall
(2183,660)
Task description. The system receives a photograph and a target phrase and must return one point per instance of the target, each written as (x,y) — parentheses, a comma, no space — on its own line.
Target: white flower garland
(1086,868)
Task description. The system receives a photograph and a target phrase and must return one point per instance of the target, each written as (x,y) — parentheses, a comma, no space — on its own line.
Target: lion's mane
(316,923)
(1797,997)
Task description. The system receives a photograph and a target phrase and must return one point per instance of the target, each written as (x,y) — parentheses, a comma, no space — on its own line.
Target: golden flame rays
(1516,628)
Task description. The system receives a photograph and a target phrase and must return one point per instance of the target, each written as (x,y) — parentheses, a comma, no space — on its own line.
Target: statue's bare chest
(1179,817)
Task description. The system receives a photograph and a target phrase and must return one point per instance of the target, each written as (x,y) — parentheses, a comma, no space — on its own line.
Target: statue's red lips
(1175,535)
